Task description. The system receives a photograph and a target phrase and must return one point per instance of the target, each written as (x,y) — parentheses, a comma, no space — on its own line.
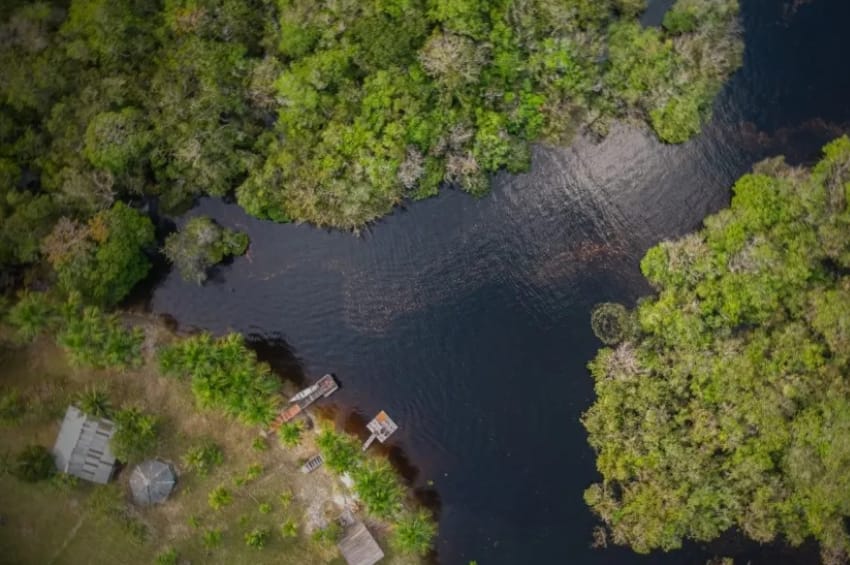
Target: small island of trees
(730,407)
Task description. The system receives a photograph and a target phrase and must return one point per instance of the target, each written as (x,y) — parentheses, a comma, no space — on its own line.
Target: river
(468,319)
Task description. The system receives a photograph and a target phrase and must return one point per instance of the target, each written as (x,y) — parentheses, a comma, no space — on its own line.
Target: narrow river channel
(468,319)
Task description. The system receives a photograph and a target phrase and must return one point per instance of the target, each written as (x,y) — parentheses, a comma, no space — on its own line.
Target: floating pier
(323,388)
(382,427)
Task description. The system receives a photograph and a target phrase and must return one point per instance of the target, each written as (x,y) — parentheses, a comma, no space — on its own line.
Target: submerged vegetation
(730,407)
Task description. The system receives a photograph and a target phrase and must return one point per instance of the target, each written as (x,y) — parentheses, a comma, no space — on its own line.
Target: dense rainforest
(330,112)
(724,400)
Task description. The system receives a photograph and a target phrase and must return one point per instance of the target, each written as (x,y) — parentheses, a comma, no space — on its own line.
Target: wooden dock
(323,388)
(382,427)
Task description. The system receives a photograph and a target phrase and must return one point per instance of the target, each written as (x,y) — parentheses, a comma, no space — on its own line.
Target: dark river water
(468,320)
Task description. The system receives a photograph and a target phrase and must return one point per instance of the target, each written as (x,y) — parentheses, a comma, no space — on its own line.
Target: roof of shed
(82,447)
(358,547)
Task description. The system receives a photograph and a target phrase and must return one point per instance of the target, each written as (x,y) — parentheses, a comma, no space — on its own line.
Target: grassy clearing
(47,523)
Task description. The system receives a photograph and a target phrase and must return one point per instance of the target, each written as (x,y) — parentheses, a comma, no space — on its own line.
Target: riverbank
(57,521)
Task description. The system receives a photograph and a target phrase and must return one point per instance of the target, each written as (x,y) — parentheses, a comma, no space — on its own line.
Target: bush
(203,458)
(219,497)
(377,485)
(94,402)
(265,508)
(327,536)
(136,434)
(289,529)
(167,557)
(97,340)
(289,434)
(414,533)
(12,406)
(226,375)
(211,538)
(257,538)
(31,315)
(200,244)
(341,452)
(33,463)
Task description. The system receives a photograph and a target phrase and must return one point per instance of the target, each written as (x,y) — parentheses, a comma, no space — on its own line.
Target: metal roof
(358,547)
(82,447)
(152,481)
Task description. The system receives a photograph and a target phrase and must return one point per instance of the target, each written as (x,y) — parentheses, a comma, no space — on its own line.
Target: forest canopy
(730,407)
(330,112)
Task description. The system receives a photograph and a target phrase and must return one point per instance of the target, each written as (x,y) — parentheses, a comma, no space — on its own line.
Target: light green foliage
(612,323)
(94,339)
(116,140)
(289,529)
(226,375)
(414,533)
(203,458)
(211,538)
(340,451)
(328,535)
(168,557)
(219,497)
(136,434)
(33,463)
(264,508)
(730,407)
(200,244)
(260,444)
(289,434)
(377,485)
(257,538)
(32,314)
(103,259)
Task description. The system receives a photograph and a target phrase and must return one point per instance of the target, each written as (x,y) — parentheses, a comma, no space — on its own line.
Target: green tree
(414,533)
(200,244)
(728,407)
(136,434)
(341,452)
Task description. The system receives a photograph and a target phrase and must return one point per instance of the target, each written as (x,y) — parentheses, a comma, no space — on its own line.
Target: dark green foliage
(136,434)
(98,340)
(200,244)
(12,406)
(730,408)
(226,375)
(377,485)
(340,451)
(33,463)
(94,401)
(203,458)
(414,533)
(32,314)
(103,259)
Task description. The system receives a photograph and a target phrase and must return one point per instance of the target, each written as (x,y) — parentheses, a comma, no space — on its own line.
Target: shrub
(203,458)
(377,485)
(327,536)
(260,444)
(211,538)
(414,533)
(31,315)
(94,401)
(341,452)
(136,434)
(167,557)
(265,508)
(289,434)
(219,497)
(257,538)
(289,529)
(226,375)
(94,339)
(12,406)
(33,463)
